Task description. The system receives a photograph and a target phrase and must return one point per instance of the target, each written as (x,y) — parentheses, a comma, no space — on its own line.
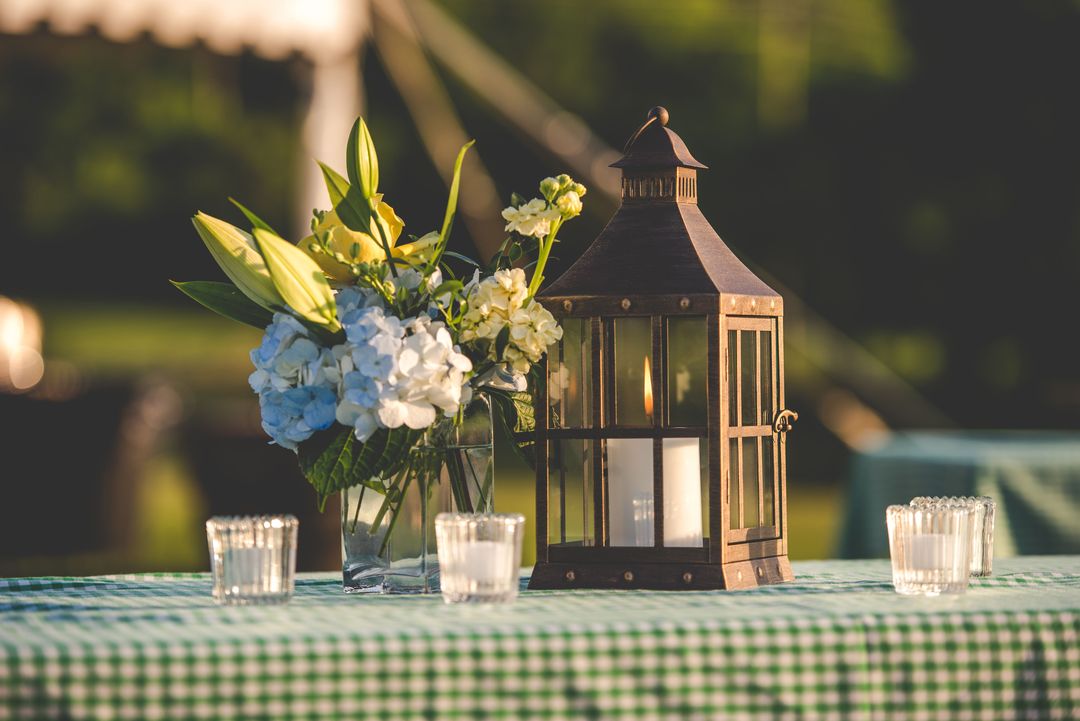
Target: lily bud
(299,280)
(235,251)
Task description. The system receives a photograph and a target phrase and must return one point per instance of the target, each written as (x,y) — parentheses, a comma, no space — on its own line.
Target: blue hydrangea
(286,355)
(352,298)
(291,417)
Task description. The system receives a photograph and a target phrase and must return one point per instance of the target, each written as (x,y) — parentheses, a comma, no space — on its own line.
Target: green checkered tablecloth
(836,643)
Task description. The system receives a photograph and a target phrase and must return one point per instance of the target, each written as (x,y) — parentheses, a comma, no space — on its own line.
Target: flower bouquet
(376,352)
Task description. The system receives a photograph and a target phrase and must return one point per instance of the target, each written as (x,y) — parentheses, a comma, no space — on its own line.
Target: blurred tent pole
(328,34)
(336,98)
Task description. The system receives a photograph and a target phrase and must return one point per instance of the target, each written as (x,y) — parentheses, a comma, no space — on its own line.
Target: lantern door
(754,446)
(627,439)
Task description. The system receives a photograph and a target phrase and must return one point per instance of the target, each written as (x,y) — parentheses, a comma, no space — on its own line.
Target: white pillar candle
(630,492)
(682,492)
(486,561)
(630,479)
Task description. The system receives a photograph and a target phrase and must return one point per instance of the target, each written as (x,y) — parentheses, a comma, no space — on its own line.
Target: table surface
(1034,476)
(836,643)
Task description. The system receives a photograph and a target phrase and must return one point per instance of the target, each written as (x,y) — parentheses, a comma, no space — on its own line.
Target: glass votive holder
(982,527)
(479,556)
(252,558)
(930,547)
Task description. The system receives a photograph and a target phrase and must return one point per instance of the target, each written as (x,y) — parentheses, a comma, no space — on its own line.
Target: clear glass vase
(388,529)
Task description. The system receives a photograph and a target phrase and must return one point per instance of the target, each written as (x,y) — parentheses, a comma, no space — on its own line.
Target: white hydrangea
(396,373)
(533,218)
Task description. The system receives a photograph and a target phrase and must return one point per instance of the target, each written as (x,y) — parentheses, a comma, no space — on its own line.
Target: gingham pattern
(837,643)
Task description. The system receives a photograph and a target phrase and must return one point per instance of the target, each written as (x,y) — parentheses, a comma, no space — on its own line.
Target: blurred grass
(193,347)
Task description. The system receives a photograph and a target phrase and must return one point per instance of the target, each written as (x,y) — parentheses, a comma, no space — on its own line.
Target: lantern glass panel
(570,376)
(634,393)
(734,492)
(766,355)
(750,482)
(687,369)
(768,517)
(630,491)
(749,375)
(570,492)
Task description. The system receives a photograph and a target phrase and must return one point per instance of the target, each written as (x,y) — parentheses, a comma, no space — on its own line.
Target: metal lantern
(661,429)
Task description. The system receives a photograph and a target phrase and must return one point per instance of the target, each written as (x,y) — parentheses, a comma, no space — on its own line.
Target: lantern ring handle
(785,420)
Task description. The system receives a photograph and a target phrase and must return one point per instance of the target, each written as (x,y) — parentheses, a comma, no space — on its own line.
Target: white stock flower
(532,329)
(499,301)
(533,218)
(569,204)
(491,302)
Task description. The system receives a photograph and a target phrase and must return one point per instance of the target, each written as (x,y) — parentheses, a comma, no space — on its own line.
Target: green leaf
(299,280)
(256,221)
(333,460)
(451,202)
(448,286)
(238,255)
(501,341)
(361,162)
(336,186)
(227,300)
(354,211)
(514,418)
(516,199)
(462,258)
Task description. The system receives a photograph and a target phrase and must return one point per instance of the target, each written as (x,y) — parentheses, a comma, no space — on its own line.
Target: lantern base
(663,576)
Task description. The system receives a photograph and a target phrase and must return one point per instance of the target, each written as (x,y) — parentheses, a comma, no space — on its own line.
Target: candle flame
(648,389)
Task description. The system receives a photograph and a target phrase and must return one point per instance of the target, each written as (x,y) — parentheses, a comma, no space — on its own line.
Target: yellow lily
(355,246)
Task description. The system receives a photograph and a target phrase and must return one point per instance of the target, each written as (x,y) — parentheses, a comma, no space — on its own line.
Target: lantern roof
(657,146)
(658,243)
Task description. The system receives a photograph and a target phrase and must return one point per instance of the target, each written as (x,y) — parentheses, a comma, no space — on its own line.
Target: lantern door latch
(784,421)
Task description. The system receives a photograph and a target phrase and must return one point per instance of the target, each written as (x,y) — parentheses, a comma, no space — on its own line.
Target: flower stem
(542,258)
(359,505)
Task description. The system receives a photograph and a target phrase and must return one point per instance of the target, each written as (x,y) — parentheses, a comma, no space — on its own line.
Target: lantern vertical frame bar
(599,450)
(541,414)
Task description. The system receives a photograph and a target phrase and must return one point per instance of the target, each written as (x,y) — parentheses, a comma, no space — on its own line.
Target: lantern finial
(654,146)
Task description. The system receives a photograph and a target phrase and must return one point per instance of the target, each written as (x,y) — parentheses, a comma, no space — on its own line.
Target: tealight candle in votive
(479,556)
(982,527)
(930,547)
(252,558)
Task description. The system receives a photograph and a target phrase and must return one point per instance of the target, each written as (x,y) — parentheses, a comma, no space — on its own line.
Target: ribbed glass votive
(982,527)
(479,556)
(930,547)
(252,558)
